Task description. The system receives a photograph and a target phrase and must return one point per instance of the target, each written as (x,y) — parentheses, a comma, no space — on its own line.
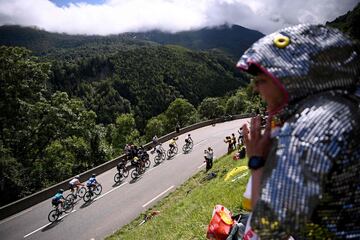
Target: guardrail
(26,202)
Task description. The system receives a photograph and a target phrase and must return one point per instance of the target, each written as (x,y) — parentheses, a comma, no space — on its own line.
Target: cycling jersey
(74,181)
(56,199)
(58,196)
(91,181)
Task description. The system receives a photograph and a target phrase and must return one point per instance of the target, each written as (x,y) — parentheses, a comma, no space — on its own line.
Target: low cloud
(118,16)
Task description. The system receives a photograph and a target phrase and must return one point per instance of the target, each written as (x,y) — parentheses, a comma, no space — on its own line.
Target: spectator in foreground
(306,165)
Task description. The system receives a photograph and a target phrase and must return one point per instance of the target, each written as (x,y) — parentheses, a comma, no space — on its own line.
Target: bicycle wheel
(68,206)
(169,153)
(98,189)
(53,215)
(70,198)
(147,163)
(125,172)
(185,148)
(117,177)
(157,159)
(175,150)
(134,174)
(81,192)
(87,196)
(163,155)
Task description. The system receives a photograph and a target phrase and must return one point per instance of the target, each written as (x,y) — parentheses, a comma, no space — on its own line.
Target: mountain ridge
(233,40)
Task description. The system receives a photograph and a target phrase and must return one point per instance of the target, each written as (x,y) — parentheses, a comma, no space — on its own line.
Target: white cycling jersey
(74,181)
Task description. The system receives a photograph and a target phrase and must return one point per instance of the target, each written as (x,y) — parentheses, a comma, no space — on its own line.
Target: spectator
(305,166)
(241,137)
(208,155)
(177,128)
(233,141)
(228,141)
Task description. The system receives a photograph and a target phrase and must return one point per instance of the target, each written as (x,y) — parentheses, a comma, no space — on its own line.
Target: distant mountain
(233,40)
(46,43)
(349,22)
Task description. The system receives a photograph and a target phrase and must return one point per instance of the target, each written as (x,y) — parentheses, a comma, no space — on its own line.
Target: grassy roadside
(186,212)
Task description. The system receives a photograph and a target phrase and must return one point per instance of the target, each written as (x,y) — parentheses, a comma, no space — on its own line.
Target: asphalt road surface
(120,204)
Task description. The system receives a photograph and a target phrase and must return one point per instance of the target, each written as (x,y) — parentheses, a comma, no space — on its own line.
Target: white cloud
(117,16)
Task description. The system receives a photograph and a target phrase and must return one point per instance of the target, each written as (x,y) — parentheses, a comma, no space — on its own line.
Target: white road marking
(47,224)
(103,195)
(201,165)
(200,142)
(157,196)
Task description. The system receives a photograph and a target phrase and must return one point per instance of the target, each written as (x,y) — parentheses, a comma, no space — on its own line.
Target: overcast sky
(118,16)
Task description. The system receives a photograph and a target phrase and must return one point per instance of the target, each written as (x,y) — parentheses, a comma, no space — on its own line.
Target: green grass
(186,212)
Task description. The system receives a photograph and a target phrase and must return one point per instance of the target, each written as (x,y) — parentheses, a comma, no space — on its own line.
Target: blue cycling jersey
(58,196)
(91,181)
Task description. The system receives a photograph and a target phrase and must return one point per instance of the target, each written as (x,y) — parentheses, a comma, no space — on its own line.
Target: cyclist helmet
(189,135)
(93,175)
(77,176)
(61,190)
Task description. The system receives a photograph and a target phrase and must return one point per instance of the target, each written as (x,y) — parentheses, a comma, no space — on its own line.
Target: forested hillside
(73,106)
(145,80)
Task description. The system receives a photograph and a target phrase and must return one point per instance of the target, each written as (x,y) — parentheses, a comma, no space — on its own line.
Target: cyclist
(75,183)
(188,140)
(172,143)
(91,183)
(58,198)
(139,164)
(142,154)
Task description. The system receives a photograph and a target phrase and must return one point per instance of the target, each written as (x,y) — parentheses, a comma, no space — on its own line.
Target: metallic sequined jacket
(311,180)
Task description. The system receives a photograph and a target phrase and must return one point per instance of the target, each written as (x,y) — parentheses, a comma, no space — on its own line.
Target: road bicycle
(92,192)
(64,207)
(160,154)
(188,146)
(122,173)
(172,151)
(137,171)
(79,192)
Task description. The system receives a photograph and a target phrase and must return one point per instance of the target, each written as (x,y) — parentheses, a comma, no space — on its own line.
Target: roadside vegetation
(186,212)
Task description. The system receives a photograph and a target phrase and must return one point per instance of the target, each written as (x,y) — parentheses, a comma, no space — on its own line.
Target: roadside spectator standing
(208,155)
(155,141)
(127,151)
(177,128)
(233,141)
(241,137)
(228,141)
(305,165)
